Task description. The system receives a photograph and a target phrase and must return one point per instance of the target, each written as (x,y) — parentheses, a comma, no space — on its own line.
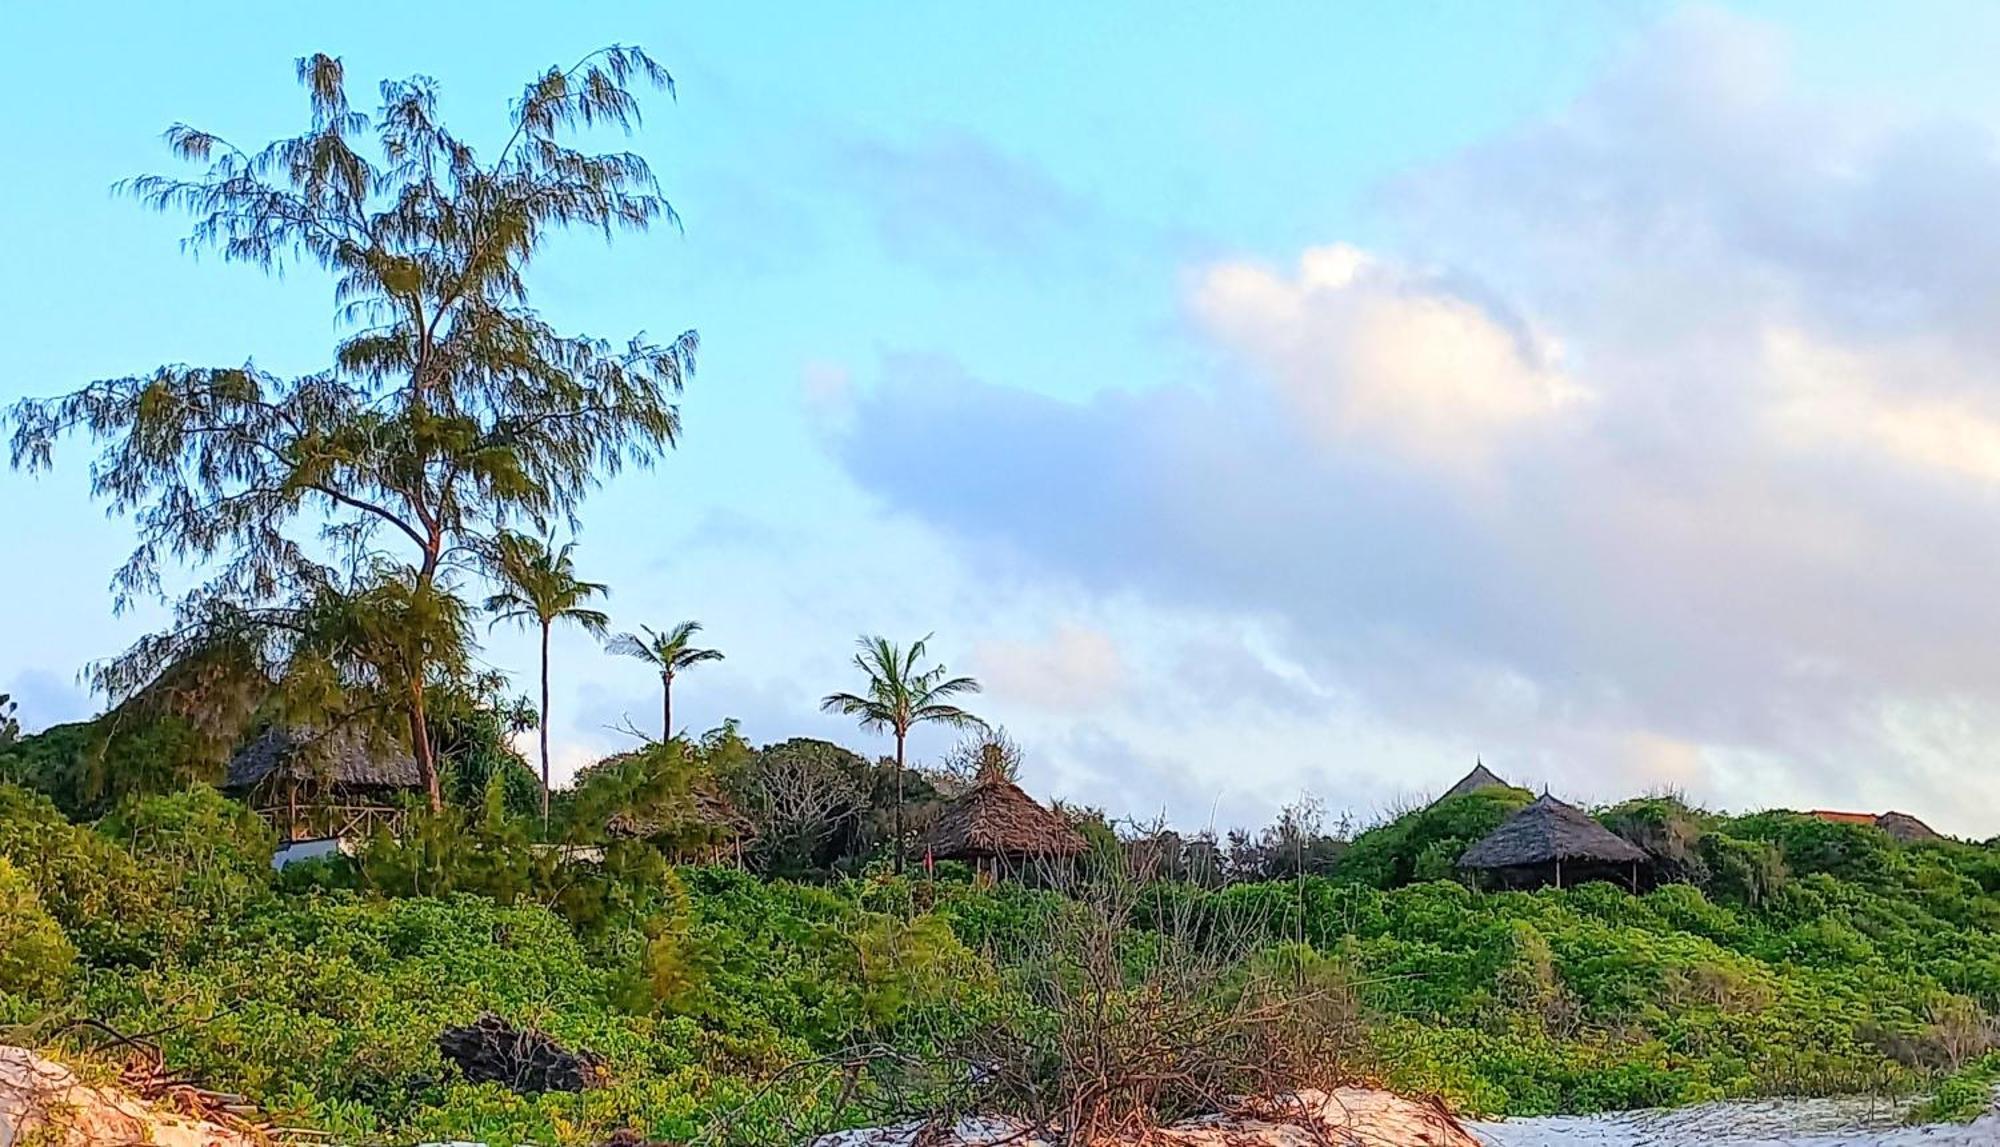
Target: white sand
(1768,1123)
(43,1104)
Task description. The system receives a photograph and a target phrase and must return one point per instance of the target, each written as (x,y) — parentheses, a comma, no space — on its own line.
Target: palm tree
(539,586)
(669,653)
(901,697)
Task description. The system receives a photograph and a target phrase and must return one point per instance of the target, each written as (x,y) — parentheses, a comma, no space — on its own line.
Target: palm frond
(898,695)
(951,715)
(867,710)
(592,621)
(632,645)
(687,657)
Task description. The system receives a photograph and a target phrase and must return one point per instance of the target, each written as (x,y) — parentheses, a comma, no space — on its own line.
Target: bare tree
(985,752)
(794,800)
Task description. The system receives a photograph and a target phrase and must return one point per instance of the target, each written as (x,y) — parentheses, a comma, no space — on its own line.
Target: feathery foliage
(450,408)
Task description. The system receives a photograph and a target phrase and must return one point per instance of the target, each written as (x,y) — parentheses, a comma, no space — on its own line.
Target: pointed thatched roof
(1906,828)
(707,805)
(1549,830)
(343,758)
(1480,777)
(1900,825)
(996,819)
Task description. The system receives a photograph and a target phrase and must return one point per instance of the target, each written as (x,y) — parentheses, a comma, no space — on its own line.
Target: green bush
(1425,844)
(36,959)
(115,911)
(216,851)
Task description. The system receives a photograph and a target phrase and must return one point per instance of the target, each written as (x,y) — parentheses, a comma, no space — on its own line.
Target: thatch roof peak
(1480,777)
(1906,828)
(343,758)
(1549,830)
(996,818)
(1900,825)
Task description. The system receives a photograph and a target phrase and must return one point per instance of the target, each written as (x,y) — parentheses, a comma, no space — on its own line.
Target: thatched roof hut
(708,815)
(996,821)
(1550,842)
(1906,828)
(332,783)
(1480,777)
(340,759)
(1900,825)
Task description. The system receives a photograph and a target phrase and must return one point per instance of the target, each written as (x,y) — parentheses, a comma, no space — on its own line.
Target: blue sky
(1259,398)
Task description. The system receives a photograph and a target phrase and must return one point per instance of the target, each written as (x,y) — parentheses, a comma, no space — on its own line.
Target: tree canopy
(332,508)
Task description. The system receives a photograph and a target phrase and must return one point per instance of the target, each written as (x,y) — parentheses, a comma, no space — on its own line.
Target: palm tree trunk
(545,728)
(899,802)
(666,707)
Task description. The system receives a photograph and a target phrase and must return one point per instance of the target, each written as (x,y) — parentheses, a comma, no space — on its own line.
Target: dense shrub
(115,911)
(1792,960)
(36,959)
(216,851)
(1423,845)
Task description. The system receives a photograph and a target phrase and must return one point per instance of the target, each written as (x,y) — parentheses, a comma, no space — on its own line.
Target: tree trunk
(420,726)
(545,728)
(900,734)
(666,707)
(420,746)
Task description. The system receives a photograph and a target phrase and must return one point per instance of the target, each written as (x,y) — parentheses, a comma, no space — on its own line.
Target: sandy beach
(1769,1123)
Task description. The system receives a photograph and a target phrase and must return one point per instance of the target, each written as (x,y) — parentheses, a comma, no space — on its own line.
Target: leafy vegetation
(734,1007)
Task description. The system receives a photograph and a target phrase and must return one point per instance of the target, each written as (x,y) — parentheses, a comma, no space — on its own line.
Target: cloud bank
(1661,447)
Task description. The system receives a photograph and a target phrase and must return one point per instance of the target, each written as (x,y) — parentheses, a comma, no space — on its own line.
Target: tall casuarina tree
(669,652)
(449,409)
(899,697)
(539,587)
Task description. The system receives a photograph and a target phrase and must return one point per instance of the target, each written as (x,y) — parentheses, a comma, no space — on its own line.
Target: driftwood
(491,1050)
(145,1075)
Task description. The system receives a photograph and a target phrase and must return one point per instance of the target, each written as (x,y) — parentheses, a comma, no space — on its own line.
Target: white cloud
(827,387)
(1830,397)
(1074,668)
(1364,351)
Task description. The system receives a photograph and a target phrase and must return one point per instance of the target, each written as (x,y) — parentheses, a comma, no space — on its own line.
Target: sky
(1261,400)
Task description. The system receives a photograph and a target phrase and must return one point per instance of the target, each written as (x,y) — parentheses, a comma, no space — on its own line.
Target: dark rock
(491,1050)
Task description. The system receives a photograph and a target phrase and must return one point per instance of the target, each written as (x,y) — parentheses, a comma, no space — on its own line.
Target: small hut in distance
(313,785)
(1479,778)
(998,829)
(1552,843)
(1900,825)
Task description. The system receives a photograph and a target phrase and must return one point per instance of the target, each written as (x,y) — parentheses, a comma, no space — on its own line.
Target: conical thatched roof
(1900,825)
(1906,828)
(1480,777)
(996,819)
(1549,830)
(707,805)
(343,758)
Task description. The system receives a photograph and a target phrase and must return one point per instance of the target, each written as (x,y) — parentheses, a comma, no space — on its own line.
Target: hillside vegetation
(1786,956)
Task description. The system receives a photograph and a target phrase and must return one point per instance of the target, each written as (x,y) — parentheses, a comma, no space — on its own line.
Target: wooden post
(1559,874)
